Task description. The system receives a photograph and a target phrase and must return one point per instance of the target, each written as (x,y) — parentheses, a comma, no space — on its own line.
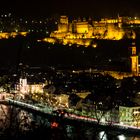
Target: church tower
(119,21)
(134,60)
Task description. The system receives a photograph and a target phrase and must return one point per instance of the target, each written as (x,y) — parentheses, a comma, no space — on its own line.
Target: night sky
(72,7)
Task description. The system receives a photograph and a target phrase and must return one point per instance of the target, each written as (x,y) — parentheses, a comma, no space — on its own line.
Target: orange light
(54,125)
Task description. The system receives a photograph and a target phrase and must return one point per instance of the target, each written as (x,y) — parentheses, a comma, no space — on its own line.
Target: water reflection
(102,135)
(69,131)
(92,133)
(121,137)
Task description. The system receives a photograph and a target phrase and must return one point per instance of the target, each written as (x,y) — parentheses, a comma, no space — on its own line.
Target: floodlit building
(76,31)
(24,87)
(129,115)
(35,88)
(6,35)
(134,60)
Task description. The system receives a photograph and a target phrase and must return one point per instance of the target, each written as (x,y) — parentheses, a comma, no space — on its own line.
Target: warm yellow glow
(83,95)
(134,65)
(82,27)
(63,28)
(80,31)
(63,100)
(6,35)
(35,88)
(133,50)
(94,45)
(115,35)
(23,33)
(64,20)
(117,75)
(50,40)
(134,21)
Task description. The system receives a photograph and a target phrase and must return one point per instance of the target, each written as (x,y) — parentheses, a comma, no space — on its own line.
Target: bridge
(62,115)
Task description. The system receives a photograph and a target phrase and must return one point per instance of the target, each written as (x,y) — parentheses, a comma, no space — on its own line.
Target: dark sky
(72,7)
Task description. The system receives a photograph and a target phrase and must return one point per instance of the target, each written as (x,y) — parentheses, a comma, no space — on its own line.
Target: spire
(134,60)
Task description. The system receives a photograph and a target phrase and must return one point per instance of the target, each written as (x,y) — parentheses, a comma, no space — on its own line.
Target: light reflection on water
(92,134)
(121,137)
(102,135)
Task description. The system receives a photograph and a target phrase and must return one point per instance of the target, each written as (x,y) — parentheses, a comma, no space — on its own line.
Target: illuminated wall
(58,35)
(60,100)
(90,31)
(134,21)
(117,75)
(24,87)
(35,88)
(129,116)
(50,40)
(110,29)
(114,33)
(64,20)
(63,100)
(80,41)
(82,27)
(63,28)
(6,35)
(99,29)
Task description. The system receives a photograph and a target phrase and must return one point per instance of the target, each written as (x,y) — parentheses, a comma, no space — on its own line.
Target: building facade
(129,115)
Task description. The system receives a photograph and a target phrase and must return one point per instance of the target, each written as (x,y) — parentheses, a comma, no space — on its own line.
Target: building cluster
(81,103)
(123,115)
(129,115)
(10,26)
(82,31)
(7,35)
(24,87)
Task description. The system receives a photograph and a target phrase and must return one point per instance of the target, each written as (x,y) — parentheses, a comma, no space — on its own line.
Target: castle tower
(64,20)
(22,79)
(63,24)
(23,85)
(134,60)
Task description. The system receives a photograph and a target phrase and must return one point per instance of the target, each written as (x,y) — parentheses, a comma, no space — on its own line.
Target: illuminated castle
(81,31)
(73,30)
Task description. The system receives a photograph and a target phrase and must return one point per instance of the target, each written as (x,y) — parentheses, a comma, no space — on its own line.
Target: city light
(66,68)
(121,137)
(102,135)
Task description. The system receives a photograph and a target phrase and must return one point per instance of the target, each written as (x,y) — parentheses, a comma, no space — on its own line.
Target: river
(72,132)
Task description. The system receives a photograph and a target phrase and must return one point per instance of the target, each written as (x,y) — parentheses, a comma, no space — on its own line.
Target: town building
(129,115)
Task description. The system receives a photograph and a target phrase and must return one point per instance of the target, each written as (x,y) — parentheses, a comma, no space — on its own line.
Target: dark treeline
(113,54)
